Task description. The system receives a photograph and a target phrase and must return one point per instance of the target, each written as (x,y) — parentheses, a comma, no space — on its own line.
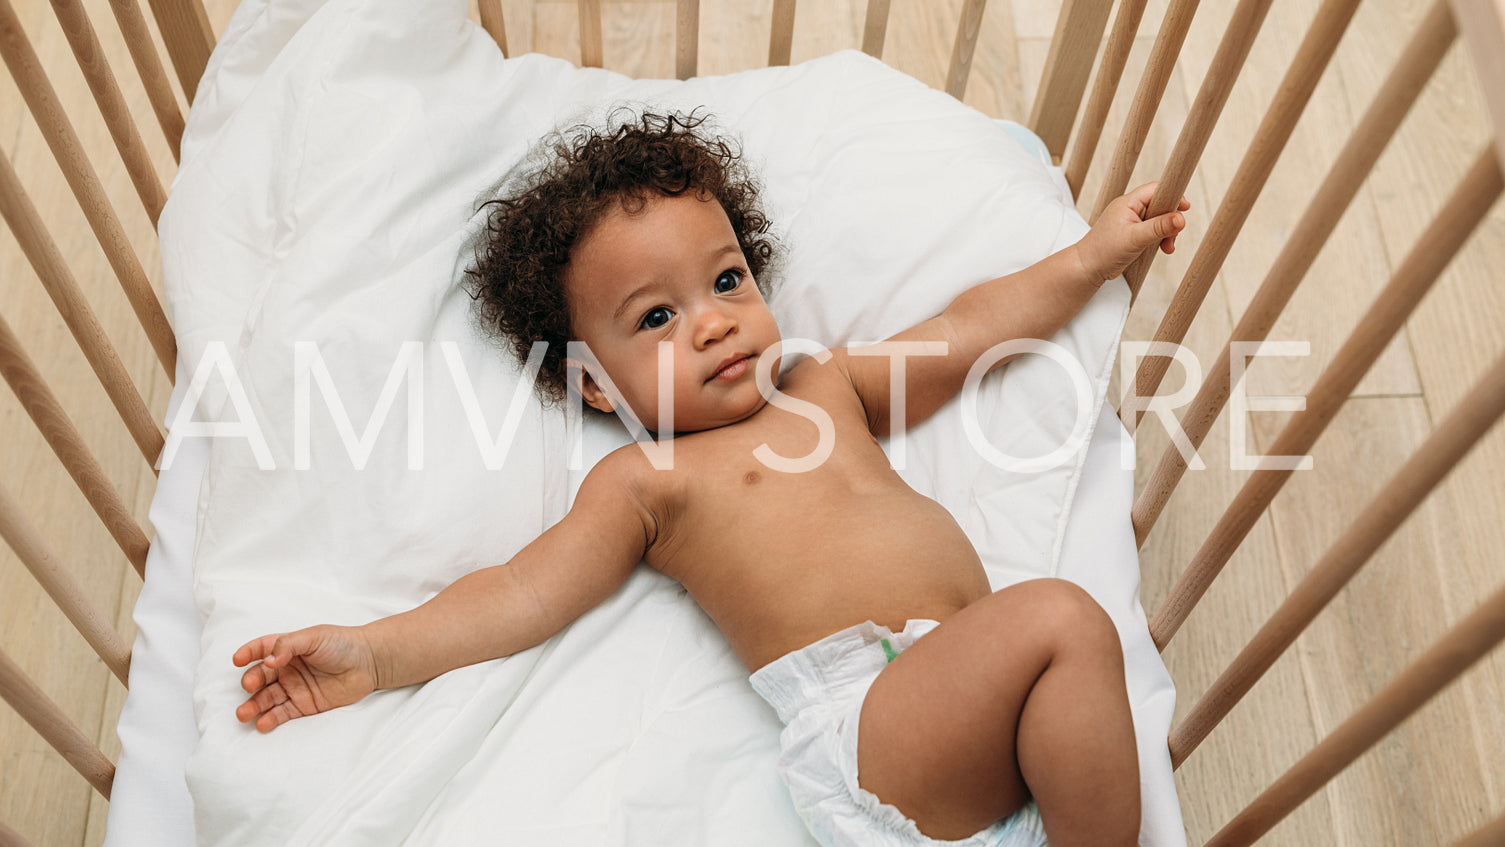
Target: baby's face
(672,272)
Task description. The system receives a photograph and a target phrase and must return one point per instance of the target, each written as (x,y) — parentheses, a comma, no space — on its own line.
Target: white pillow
(327,193)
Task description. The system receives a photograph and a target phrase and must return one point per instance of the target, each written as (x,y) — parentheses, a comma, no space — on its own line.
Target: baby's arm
(493,612)
(1033,303)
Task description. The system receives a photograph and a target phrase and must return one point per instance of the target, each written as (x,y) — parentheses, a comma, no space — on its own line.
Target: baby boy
(780,514)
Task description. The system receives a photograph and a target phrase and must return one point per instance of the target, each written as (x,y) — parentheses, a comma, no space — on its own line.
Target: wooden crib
(1384,191)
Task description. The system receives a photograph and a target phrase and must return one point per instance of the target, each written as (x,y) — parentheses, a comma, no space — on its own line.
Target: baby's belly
(889,557)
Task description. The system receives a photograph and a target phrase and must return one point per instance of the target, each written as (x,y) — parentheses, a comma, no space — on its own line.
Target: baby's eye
(655,318)
(728,281)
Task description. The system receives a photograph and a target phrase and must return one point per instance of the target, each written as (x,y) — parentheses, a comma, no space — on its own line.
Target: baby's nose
(714,325)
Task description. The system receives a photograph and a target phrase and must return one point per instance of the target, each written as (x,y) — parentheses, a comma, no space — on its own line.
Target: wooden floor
(1442,775)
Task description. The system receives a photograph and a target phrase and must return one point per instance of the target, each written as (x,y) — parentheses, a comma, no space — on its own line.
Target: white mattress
(150,805)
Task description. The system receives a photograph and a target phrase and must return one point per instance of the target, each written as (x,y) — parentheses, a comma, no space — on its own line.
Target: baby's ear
(582,383)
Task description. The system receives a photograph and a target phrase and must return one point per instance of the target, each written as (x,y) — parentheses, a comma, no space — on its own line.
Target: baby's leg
(1021,693)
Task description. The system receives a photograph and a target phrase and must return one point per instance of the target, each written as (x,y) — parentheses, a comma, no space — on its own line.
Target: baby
(1007,721)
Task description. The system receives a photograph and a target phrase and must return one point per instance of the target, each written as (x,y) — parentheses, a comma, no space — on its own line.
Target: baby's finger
(247,711)
(257,678)
(1139,198)
(256,648)
(260,703)
(1156,230)
(287,646)
(278,716)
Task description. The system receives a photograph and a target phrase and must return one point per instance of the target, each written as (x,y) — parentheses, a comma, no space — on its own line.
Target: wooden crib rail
(187,36)
(1270,139)
(1384,514)
(17,210)
(1238,38)
(781,30)
(1079,30)
(1482,22)
(1483,25)
(29,544)
(64,439)
(49,721)
(85,45)
(1157,74)
(1434,35)
(66,147)
(1442,663)
(1104,87)
(1064,74)
(44,252)
(1434,248)
(138,42)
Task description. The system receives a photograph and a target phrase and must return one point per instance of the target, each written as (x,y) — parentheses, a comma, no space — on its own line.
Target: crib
(1383,725)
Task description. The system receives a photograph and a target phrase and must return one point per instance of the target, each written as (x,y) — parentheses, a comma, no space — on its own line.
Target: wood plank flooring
(1437,778)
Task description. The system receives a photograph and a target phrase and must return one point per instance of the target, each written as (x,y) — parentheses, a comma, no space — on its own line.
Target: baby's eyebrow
(636,293)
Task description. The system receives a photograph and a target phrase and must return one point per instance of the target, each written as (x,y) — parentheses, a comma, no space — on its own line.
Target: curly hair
(518,278)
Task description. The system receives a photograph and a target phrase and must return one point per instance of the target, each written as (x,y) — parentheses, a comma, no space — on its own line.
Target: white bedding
(151,805)
(329,173)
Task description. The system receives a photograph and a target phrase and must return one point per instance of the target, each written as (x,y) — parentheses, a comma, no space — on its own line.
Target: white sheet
(149,802)
(636,725)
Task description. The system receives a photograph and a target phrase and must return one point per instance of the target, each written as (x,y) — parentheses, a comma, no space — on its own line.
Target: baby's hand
(1119,236)
(303,673)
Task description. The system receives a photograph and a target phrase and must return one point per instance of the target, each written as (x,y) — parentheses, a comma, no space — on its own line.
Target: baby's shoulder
(626,480)
(825,380)
(827,370)
(651,474)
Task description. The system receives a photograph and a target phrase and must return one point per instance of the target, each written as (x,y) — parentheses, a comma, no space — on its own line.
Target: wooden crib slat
(1482,23)
(45,411)
(590,33)
(1442,663)
(1431,253)
(23,537)
(138,40)
(1104,88)
(188,37)
(1136,128)
(37,709)
(17,210)
(1238,38)
(493,22)
(875,28)
(10,838)
(1079,31)
(1491,834)
(781,33)
(966,44)
(1290,100)
(1434,34)
(687,38)
(69,152)
(91,60)
(1454,438)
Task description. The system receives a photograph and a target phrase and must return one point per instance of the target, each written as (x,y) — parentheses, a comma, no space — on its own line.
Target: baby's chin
(700,420)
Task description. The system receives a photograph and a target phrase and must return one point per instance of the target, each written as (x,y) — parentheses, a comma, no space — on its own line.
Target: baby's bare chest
(790,495)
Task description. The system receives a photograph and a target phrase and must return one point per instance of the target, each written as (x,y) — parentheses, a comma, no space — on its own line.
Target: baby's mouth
(732,369)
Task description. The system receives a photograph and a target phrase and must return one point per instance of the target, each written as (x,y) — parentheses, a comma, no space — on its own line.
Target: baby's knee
(1073,619)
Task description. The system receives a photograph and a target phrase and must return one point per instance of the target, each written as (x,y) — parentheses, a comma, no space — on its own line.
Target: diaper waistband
(834,669)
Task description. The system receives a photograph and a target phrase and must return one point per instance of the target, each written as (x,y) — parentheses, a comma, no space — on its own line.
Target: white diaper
(818,693)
